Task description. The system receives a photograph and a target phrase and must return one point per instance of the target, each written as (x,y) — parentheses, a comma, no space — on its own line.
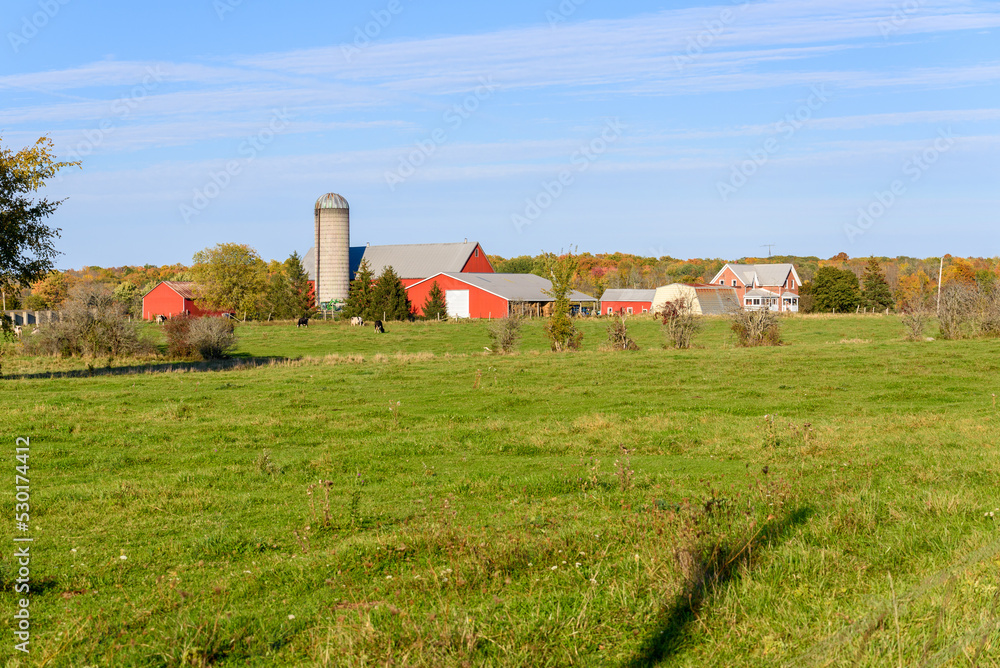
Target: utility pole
(940,271)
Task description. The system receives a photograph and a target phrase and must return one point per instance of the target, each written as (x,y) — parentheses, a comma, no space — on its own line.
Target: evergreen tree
(435,308)
(389,298)
(359,297)
(835,289)
(876,292)
(277,299)
(302,299)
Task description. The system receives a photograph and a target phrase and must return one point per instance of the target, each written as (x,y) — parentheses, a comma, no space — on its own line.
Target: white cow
(357,321)
(17,331)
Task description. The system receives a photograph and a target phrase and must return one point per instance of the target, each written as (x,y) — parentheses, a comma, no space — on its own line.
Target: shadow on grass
(238,362)
(668,637)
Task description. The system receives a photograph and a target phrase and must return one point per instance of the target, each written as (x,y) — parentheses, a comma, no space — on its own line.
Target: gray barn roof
(515,287)
(419,260)
(407,260)
(628,295)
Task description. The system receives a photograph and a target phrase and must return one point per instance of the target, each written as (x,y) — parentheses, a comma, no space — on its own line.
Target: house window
(734,283)
(629,310)
(722,282)
(645,310)
(611,310)
(477,251)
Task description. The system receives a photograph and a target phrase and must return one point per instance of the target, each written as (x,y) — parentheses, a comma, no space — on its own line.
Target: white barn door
(457,302)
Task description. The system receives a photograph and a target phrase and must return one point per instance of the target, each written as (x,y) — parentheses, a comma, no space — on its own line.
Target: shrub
(915,320)
(760,327)
(505,333)
(208,338)
(618,338)
(959,308)
(92,324)
(680,323)
(176,330)
(562,333)
(212,338)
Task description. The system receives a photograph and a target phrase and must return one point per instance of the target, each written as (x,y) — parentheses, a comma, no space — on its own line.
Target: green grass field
(335,498)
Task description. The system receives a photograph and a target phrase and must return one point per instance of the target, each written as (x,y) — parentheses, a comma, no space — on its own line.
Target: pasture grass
(331,497)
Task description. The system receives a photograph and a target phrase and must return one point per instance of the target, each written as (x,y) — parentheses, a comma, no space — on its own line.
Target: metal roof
(514,287)
(332,201)
(716,299)
(418,260)
(184,288)
(309,263)
(761,292)
(623,295)
(407,260)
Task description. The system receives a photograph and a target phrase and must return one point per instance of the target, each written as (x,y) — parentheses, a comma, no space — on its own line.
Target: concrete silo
(333,253)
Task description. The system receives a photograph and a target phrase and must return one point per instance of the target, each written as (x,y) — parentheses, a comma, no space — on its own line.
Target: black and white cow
(379,329)
(303,322)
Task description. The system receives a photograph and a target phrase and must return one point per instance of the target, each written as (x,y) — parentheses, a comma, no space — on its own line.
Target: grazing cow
(303,322)
(379,329)
(160,319)
(357,321)
(17,331)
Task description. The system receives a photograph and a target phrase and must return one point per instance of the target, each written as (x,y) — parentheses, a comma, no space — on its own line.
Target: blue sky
(701,129)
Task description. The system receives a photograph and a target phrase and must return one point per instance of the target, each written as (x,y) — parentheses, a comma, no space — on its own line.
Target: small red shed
(627,302)
(171,298)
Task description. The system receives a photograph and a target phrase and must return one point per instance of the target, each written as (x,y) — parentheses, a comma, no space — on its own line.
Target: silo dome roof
(332,201)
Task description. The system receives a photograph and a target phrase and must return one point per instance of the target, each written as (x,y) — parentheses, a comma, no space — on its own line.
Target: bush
(207,338)
(967,311)
(959,307)
(505,333)
(680,323)
(618,338)
(177,331)
(915,320)
(760,327)
(212,338)
(92,324)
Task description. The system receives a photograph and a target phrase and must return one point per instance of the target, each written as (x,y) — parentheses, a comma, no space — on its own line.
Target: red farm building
(171,298)
(626,302)
(489,295)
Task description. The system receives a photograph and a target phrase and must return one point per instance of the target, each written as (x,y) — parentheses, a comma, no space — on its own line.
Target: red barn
(171,298)
(626,301)
(489,295)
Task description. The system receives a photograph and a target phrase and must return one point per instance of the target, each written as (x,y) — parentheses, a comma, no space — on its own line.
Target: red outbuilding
(488,295)
(171,298)
(626,302)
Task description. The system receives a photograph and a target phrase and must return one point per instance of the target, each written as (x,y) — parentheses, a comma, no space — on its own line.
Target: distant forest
(908,278)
